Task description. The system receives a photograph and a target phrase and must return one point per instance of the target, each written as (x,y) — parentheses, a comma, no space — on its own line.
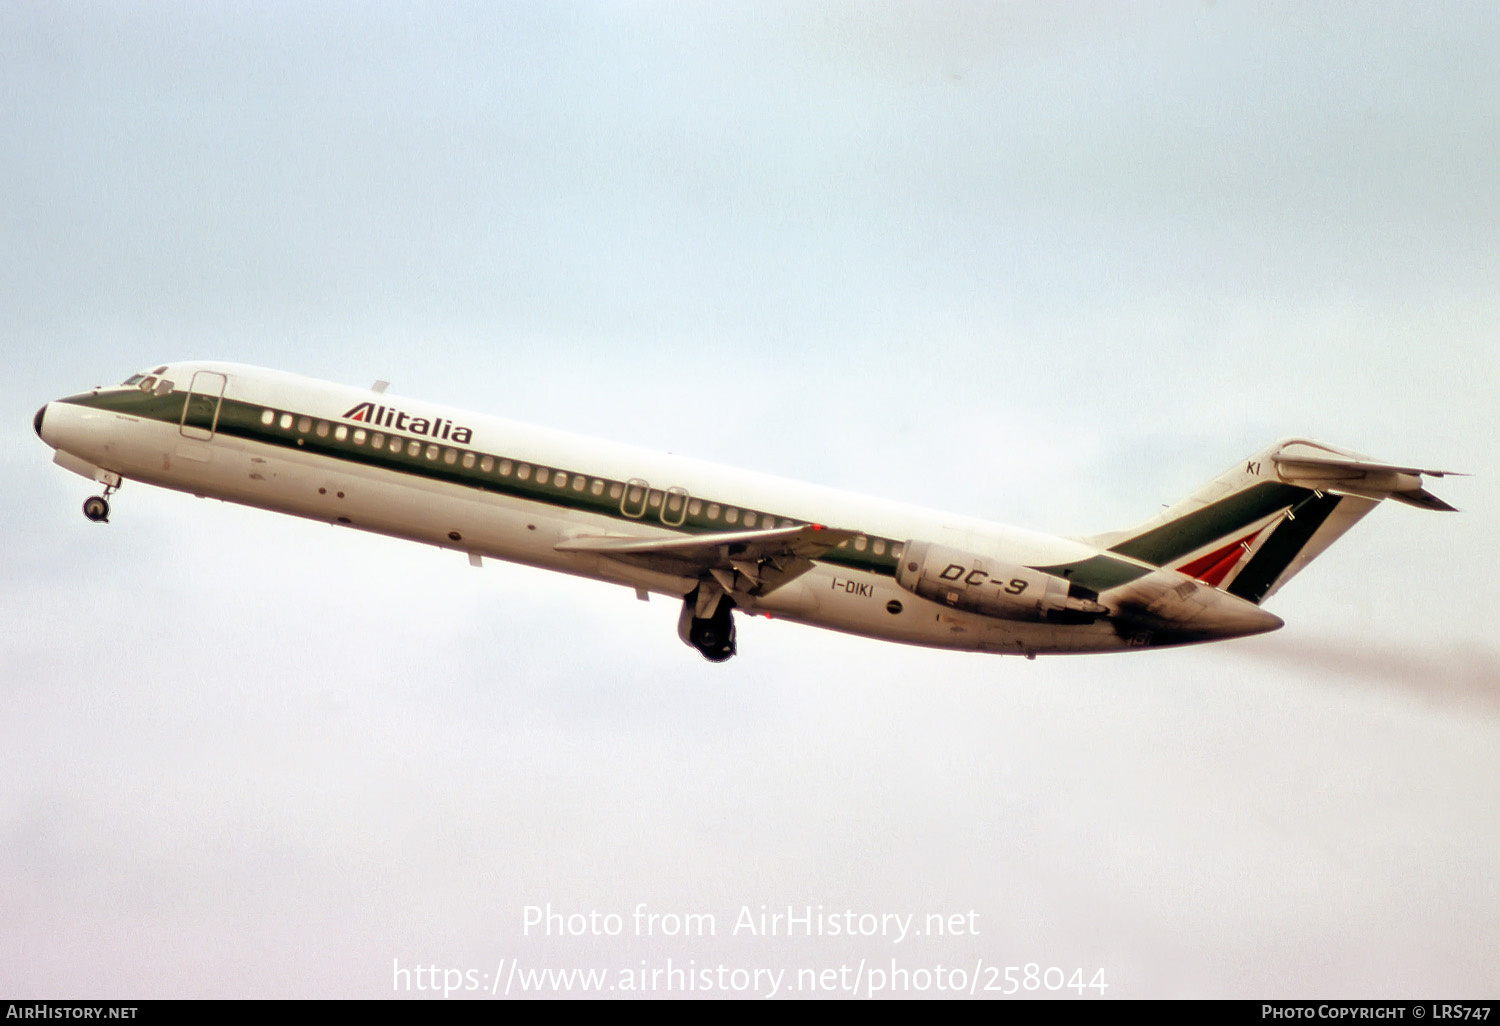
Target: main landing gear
(707,623)
(96,507)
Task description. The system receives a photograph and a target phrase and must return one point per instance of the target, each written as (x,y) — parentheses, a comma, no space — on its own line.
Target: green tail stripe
(1281,548)
(1175,539)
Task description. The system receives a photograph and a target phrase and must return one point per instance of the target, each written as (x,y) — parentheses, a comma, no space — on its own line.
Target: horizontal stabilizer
(1354,476)
(1356,465)
(1424,499)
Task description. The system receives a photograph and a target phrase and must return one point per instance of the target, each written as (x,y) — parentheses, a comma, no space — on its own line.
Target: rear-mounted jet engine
(988,586)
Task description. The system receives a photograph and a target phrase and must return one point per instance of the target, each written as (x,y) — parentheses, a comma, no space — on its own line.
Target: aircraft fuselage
(654,522)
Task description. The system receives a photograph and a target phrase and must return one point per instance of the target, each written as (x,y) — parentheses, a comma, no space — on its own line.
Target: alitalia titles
(400,420)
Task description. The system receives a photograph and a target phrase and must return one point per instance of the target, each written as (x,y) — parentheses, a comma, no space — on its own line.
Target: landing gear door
(200,414)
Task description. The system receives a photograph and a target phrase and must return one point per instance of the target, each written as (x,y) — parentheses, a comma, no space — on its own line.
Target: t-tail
(1204,564)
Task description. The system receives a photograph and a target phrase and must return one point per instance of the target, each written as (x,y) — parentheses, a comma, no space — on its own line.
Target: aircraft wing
(748,562)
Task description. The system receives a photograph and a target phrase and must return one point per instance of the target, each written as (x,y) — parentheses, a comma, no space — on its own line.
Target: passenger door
(200,414)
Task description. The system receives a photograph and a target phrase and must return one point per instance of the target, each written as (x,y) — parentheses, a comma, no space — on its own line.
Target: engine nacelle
(987,586)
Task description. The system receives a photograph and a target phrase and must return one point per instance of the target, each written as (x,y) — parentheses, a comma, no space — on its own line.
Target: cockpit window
(160,370)
(147,384)
(163,387)
(134,379)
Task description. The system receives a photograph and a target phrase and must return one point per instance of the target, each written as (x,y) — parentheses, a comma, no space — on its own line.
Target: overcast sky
(1052,264)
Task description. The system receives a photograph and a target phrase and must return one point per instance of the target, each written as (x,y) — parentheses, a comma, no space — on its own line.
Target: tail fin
(1254,527)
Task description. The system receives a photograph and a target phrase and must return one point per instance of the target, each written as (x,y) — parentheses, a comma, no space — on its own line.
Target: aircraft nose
(37,420)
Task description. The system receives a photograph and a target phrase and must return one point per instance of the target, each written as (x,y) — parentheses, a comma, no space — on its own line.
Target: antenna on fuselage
(380,386)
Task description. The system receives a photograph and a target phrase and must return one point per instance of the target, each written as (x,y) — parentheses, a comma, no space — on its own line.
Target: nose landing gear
(96,507)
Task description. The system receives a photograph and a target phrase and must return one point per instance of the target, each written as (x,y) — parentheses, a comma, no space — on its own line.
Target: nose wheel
(96,507)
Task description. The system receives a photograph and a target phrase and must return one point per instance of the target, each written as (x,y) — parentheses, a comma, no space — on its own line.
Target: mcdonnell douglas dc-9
(718,539)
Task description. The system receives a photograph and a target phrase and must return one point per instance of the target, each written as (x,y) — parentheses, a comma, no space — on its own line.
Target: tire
(713,640)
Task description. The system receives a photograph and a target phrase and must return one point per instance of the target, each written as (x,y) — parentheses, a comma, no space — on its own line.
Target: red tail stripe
(1214,567)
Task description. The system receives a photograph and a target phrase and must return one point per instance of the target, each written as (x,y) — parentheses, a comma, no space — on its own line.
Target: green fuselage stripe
(244,420)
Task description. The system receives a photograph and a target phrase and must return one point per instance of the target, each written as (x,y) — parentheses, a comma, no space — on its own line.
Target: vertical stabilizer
(1255,526)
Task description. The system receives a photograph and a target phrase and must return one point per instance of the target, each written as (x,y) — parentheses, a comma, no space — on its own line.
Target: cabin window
(896,551)
(450,456)
(359,436)
(468,461)
(542,473)
(654,500)
(267,417)
(488,463)
(616,490)
(304,425)
(323,429)
(713,511)
(879,546)
(785,522)
(860,543)
(674,503)
(413,447)
(377,440)
(286,422)
(695,507)
(749,519)
(523,471)
(505,467)
(396,442)
(432,452)
(579,482)
(598,487)
(340,433)
(635,496)
(731,515)
(844,544)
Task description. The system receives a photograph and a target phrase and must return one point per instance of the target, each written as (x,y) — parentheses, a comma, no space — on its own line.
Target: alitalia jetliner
(718,539)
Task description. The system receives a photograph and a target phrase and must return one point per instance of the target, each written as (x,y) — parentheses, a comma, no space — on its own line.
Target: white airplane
(719,539)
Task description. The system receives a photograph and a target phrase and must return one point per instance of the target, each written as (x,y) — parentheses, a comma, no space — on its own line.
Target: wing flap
(750,562)
(808,539)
